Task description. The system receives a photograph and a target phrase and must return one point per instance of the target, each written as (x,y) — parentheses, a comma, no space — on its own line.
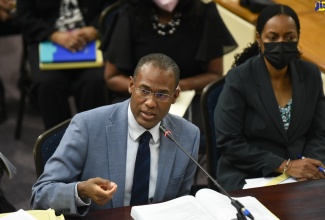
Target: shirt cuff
(79,201)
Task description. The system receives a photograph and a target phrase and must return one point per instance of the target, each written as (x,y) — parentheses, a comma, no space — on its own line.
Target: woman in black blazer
(71,24)
(270,117)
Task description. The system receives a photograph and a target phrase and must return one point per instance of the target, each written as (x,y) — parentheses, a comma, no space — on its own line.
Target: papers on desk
(260,182)
(182,103)
(20,214)
(31,215)
(206,205)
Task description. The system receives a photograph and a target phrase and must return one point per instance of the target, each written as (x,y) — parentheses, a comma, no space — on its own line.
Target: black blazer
(38,16)
(250,131)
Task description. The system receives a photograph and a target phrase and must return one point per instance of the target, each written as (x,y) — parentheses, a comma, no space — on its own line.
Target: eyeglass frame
(154,94)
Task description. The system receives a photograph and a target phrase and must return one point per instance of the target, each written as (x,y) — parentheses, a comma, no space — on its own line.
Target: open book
(7,166)
(206,205)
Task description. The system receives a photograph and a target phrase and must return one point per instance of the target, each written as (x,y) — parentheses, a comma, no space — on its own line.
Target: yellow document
(278,179)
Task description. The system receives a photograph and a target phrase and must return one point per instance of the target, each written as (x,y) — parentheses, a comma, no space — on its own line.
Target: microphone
(242,211)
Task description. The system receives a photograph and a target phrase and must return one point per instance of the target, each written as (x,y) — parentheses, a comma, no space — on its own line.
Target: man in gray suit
(94,163)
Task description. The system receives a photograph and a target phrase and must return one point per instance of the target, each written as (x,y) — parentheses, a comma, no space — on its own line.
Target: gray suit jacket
(95,145)
(250,130)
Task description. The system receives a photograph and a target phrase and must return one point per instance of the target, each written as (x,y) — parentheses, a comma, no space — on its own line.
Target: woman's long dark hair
(142,10)
(265,15)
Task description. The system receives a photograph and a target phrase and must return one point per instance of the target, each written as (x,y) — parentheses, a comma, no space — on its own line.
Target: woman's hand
(305,169)
(69,40)
(86,33)
(5,7)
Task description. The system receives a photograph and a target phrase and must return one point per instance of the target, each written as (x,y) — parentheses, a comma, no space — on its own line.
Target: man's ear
(176,95)
(131,84)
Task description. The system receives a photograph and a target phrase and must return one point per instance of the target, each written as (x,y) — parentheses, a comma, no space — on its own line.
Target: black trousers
(51,89)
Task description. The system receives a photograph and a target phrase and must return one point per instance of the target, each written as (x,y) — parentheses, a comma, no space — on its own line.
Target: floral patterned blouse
(286,114)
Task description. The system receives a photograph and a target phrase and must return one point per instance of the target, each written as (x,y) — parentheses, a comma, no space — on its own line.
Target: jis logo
(319,6)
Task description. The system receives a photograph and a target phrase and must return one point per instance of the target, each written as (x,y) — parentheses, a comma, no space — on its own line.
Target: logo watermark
(319,6)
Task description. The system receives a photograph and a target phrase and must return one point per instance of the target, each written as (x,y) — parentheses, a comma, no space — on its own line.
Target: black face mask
(279,54)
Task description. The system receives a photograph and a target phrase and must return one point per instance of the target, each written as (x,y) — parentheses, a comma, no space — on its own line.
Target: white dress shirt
(134,132)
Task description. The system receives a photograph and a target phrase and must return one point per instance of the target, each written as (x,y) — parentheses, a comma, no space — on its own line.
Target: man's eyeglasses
(144,93)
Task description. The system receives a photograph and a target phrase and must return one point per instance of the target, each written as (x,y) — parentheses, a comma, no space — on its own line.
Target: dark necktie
(140,188)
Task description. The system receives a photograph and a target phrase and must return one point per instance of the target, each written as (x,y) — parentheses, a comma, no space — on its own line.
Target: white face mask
(167,5)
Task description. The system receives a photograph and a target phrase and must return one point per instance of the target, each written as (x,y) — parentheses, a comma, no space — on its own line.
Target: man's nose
(151,100)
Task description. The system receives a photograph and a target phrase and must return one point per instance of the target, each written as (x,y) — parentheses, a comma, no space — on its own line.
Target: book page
(219,206)
(185,207)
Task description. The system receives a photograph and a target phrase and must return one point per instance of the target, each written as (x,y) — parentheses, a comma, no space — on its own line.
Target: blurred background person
(10,52)
(71,24)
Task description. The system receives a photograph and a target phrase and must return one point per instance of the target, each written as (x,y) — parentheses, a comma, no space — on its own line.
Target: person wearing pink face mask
(189,31)
(167,5)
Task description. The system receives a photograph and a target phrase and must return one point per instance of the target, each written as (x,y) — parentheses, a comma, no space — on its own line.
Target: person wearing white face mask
(189,31)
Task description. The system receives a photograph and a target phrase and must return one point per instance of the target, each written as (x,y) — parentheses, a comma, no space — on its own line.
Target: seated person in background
(5,7)
(8,26)
(189,31)
(71,24)
(99,149)
(271,110)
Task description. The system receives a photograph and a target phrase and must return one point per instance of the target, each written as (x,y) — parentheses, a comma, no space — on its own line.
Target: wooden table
(311,39)
(312,26)
(292,201)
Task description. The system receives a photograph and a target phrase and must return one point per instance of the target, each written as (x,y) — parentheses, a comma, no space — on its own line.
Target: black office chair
(46,144)
(5,205)
(209,99)
(24,85)
(107,20)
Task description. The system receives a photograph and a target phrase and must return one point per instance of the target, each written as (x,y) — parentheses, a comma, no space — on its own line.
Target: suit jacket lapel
(266,93)
(118,147)
(298,97)
(167,153)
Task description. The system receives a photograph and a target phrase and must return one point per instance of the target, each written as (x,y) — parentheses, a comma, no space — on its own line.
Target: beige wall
(241,30)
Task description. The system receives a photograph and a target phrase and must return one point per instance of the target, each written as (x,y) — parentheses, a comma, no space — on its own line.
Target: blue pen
(319,168)
(322,169)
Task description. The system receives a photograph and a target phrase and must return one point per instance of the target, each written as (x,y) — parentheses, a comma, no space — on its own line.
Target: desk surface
(292,201)
(311,22)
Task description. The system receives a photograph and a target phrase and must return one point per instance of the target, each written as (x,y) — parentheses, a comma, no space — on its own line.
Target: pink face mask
(167,5)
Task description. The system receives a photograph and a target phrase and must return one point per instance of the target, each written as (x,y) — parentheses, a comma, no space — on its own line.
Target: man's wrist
(81,198)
